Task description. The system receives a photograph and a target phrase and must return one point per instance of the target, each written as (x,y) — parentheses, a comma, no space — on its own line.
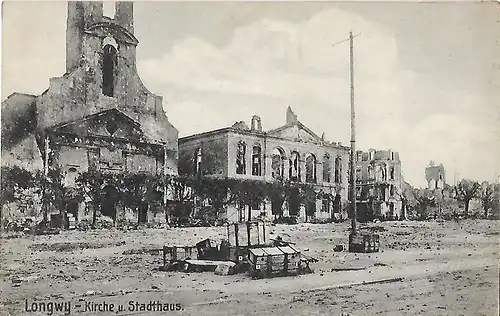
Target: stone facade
(435,176)
(291,152)
(379,184)
(98,115)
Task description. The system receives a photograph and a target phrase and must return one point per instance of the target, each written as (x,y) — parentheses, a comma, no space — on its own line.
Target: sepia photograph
(250,158)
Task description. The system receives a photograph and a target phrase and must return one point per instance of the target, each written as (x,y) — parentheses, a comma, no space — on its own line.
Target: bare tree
(408,199)
(489,194)
(425,199)
(465,191)
(14,182)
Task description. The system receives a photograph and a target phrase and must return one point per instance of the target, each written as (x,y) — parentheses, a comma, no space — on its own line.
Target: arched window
(241,151)
(358,193)
(371,175)
(311,168)
(71,176)
(327,177)
(392,173)
(197,161)
(256,160)
(432,184)
(338,170)
(278,164)
(108,70)
(294,170)
(383,191)
(381,175)
(358,173)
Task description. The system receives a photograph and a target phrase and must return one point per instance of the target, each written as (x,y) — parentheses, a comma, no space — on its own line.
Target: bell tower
(124,15)
(101,68)
(81,14)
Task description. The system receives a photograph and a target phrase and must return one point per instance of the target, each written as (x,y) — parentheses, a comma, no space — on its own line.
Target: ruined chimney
(291,117)
(372,154)
(256,124)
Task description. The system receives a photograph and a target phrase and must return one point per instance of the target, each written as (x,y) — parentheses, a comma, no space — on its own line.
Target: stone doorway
(310,210)
(276,208)
(294,203)
(72,208)
(109,200)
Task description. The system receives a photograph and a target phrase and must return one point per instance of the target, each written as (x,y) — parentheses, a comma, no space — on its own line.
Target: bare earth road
(444,269)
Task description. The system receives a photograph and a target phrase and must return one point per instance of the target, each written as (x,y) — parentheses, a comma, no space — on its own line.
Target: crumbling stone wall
(18,119)
(435,176)
(379,180)
(214,152)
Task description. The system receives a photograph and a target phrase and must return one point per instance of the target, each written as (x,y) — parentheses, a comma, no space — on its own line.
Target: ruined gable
(111,123)
(307,135)
(297,132)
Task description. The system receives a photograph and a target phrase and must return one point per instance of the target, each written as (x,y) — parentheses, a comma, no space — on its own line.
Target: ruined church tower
(97,116)
(101,76)
(101,71)
(98,103)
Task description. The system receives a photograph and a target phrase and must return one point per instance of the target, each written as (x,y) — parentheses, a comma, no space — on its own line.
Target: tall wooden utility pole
(165,185)
(352,179)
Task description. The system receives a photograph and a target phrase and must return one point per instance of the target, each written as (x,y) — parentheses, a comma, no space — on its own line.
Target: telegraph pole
(352,179)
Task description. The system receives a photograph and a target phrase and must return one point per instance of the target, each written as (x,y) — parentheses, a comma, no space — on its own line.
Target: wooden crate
(274,261)
(258,262)
(257,256)
(275,255)
(206,251)
(233,254)
(364,243)
(177,253)
(262,233)
(292,259)
(253,233)
(236,234)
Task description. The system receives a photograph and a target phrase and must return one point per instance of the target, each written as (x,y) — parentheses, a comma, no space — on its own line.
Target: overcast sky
(426,75)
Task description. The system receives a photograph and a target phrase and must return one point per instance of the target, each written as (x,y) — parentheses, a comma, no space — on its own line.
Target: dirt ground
(442,268)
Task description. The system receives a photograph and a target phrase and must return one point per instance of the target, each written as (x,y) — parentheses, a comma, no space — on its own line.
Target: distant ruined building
(97,116)
(379,185)
(435,176)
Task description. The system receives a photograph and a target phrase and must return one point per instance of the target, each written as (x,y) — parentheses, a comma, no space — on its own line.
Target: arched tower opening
(108,70)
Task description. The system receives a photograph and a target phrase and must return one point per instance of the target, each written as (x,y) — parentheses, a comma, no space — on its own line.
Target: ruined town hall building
(292,152)
(98,115)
